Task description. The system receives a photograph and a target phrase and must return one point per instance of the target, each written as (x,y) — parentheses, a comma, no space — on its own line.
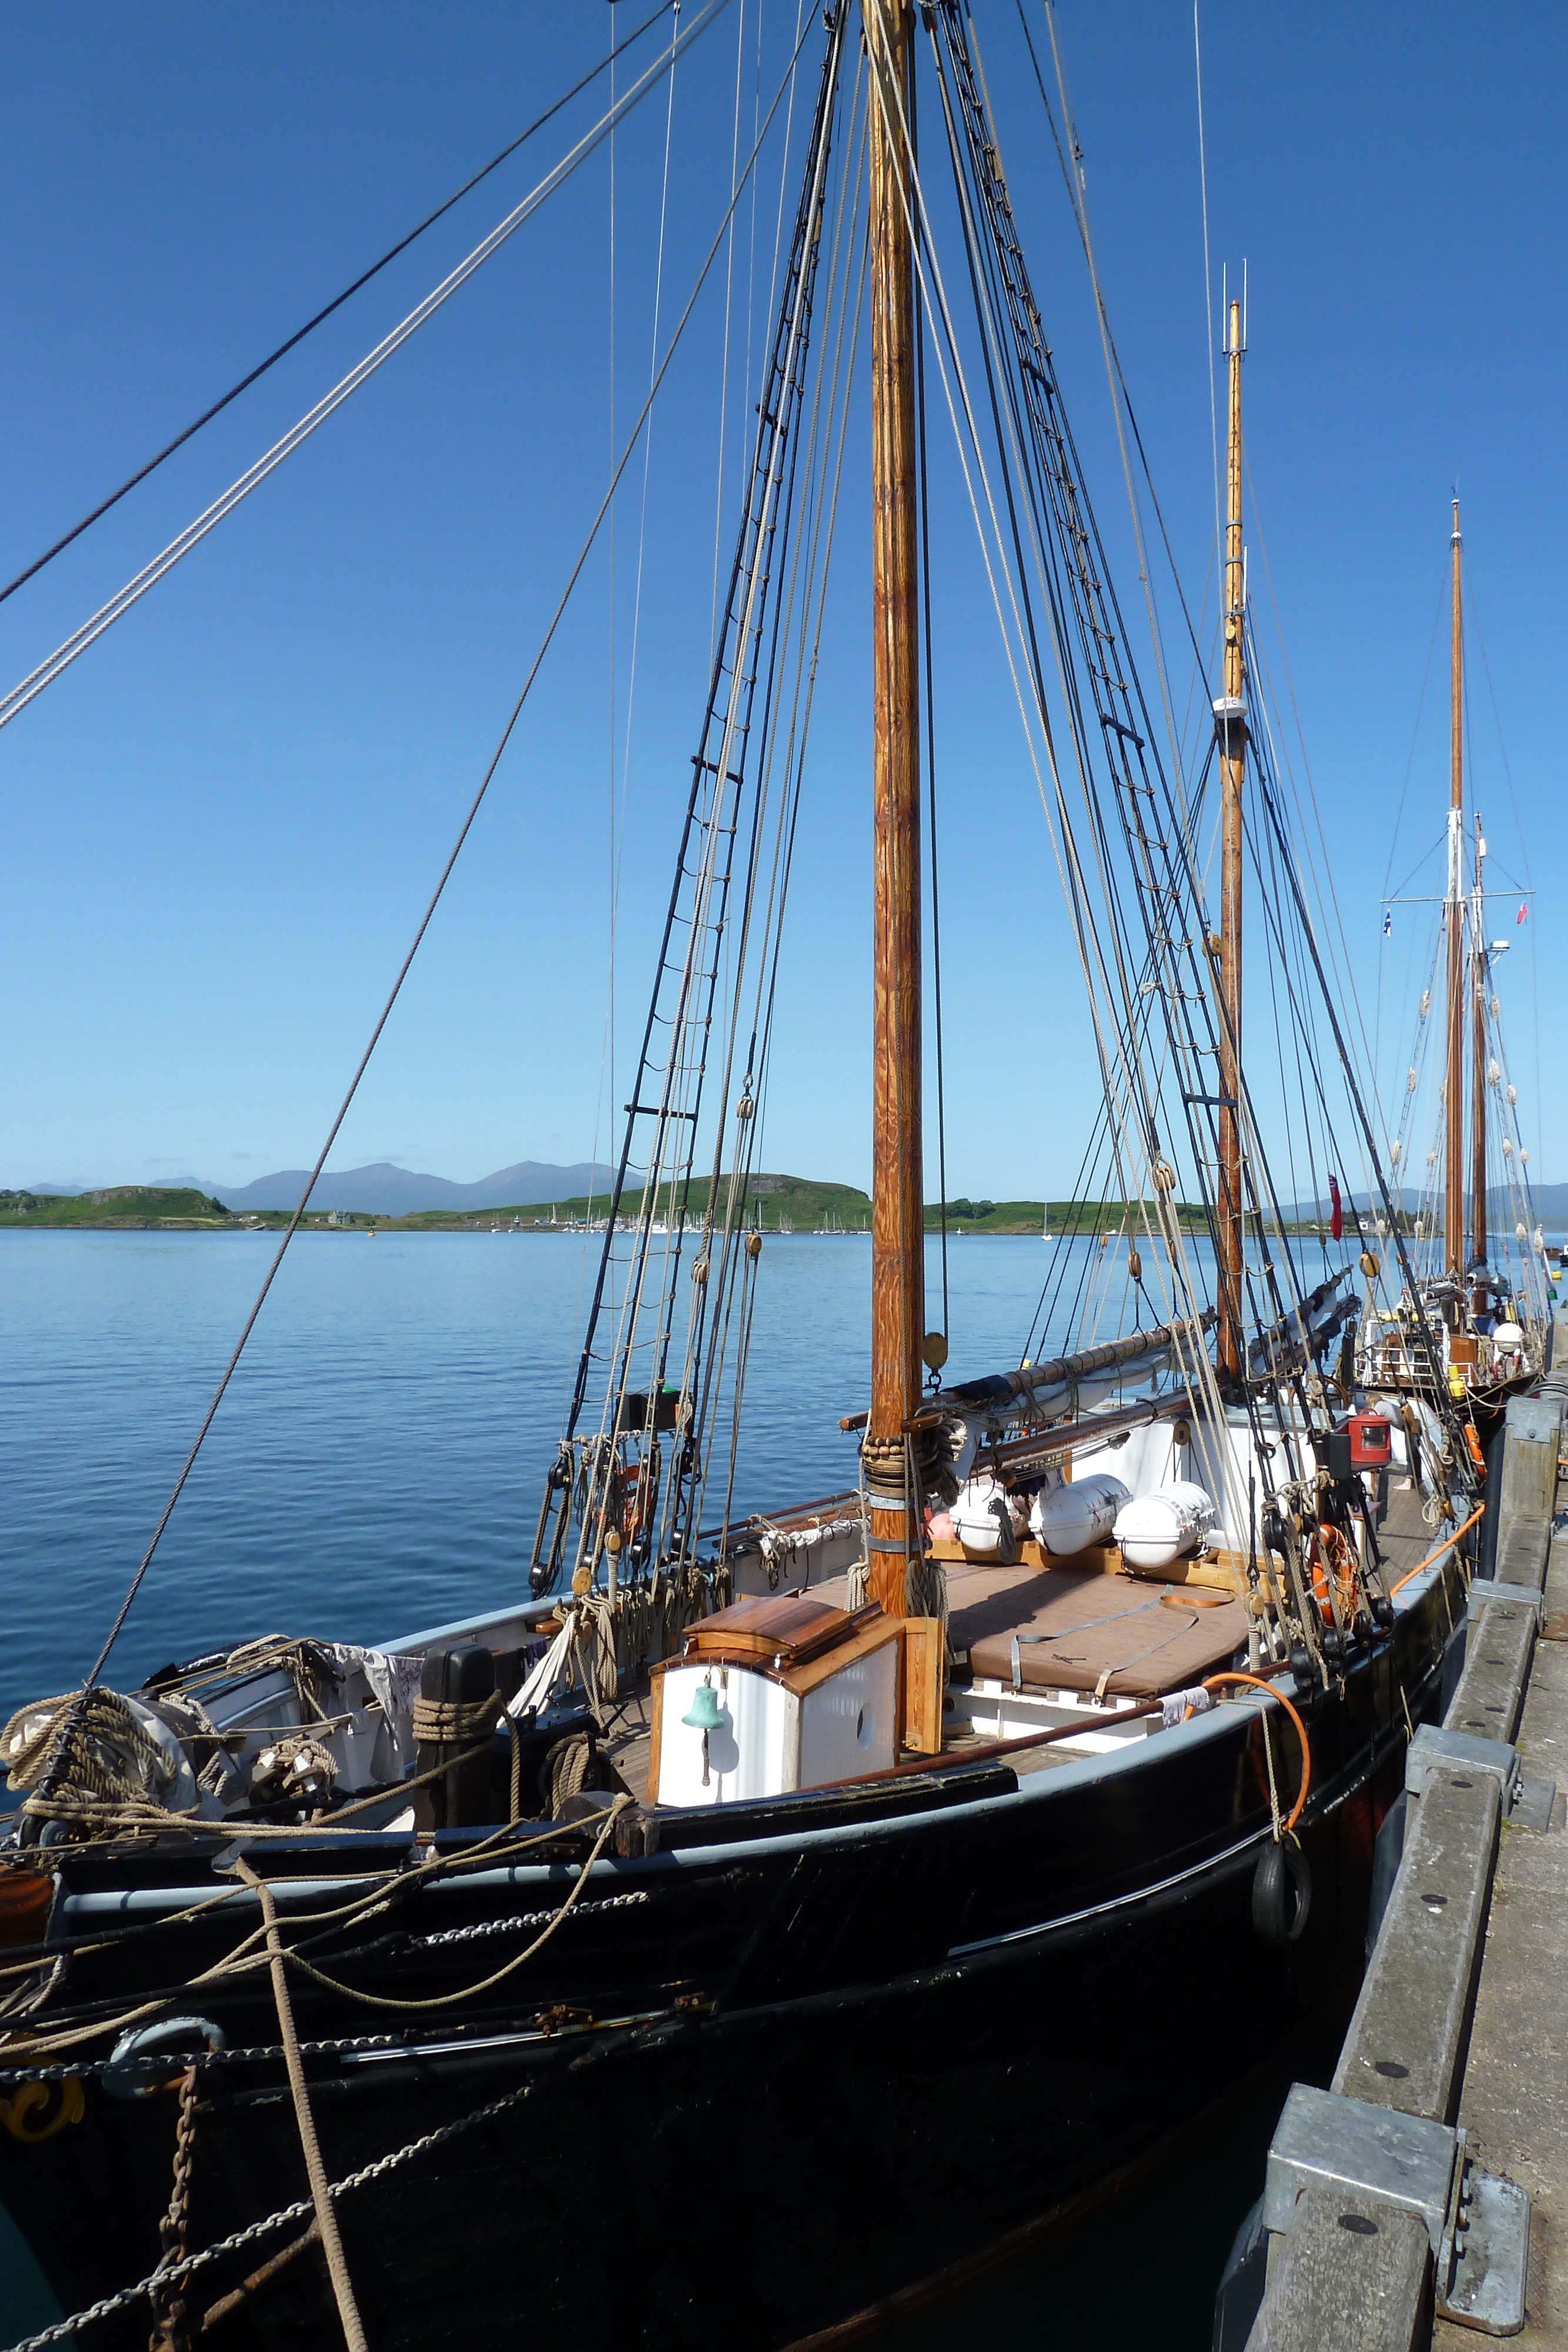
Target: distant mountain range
(384,1191)
(1550,1203)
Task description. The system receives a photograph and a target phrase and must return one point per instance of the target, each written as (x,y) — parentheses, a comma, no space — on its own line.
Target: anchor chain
(170,2332)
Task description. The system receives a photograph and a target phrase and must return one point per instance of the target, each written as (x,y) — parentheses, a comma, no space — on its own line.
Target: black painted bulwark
(1002,2000)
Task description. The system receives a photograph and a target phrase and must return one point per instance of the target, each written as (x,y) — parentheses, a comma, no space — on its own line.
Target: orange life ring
(1334,1554)
(640,1495)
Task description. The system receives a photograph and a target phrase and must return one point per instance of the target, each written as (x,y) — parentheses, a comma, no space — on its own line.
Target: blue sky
(222,823)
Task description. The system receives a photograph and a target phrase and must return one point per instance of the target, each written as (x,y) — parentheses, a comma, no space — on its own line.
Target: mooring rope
(316,2170)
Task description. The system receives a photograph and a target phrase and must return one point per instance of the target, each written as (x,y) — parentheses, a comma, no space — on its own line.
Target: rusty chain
(170,2333)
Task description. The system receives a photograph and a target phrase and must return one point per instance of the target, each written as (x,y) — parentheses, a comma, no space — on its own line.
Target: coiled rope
(90,1745)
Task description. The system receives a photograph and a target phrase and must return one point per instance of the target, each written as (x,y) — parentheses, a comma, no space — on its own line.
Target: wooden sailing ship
(636,1961)
(1481,1288)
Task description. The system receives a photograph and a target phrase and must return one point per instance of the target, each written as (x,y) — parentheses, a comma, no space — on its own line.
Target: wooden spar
(1478,1071)
(1454,919)
(898,1244)
(1232,730)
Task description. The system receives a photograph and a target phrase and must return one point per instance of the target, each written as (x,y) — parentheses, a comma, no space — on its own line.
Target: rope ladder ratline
(1162,866)
(672,1060)
(426,920)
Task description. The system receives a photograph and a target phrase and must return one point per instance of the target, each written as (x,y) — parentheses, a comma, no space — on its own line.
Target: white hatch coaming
(995,1710)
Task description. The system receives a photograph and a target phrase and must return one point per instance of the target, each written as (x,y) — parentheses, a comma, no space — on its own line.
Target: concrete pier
(1424,2196)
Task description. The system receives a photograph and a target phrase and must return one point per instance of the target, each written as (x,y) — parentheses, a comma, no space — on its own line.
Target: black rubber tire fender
(1281,1893)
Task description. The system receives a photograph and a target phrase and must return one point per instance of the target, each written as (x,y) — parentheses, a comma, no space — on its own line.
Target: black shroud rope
(337,303)
(425,922)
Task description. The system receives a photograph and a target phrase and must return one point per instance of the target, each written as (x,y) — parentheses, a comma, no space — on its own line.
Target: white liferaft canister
(1070,1518)
(1156,1530)
(974,1514)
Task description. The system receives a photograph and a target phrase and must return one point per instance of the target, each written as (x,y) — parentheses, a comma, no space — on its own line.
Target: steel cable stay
(1063,846)
(70,649)
(1275,1302)
(320,318)
(708,771)
(534,666)
(1268,800)
(1171,1228)
(1323,894)
(794,613)
(814,540)
(1262,737)
(979,261)
(1068,681)
(1161,869)
(724,805)
(737,942)
(1265,773)
(1067,532)
(1200,666)
(1050,1288)
(1113,367)
(1000,579)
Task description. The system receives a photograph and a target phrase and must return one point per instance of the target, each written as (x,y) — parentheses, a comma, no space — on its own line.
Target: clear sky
(221,826)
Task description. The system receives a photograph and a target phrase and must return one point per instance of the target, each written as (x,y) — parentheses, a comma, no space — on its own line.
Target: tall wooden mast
(1454,919)
(1231,724)
(898,1263)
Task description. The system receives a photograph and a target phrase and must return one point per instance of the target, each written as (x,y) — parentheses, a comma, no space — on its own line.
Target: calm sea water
(376,1467)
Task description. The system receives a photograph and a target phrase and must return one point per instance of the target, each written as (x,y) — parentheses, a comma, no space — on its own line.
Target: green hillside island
(782,1204)
(796,1205)
(134,1206)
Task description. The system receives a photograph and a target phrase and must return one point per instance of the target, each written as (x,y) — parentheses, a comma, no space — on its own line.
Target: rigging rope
(925,482)
(90,630)
(1207,282)
(316,2170)
(336,302)
(436,898)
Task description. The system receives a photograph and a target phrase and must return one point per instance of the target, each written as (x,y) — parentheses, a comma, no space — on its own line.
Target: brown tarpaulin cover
(1090,1623)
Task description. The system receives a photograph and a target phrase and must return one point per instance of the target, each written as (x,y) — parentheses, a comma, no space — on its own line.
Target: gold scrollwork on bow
(36,2111)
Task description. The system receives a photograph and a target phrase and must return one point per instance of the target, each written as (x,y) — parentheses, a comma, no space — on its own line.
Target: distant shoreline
(773,1205)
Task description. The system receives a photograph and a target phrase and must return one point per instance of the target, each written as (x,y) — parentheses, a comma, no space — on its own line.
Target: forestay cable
(515,714)
(194,532)
(336,302)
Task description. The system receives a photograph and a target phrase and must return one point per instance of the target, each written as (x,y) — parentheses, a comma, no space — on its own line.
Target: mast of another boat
(898,1245)
(1230,717)
(1454,919)
(1478,1071)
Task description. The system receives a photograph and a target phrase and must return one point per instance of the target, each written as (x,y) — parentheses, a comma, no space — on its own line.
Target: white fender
(1158,1529)
(1070,1518)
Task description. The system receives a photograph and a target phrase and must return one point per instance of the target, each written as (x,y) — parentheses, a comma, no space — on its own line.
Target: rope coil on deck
(105,1755)
(448,1720)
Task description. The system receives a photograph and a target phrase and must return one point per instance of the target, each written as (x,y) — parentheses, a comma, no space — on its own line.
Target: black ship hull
(781,2076)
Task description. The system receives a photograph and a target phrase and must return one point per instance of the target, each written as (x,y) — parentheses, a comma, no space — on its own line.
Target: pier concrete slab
(1366,2262)
(1514,2105)
(1406,2045)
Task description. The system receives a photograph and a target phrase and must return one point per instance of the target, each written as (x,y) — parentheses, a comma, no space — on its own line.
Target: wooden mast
(1454,918)
(898,1245)
(1232,731)
(1478,1071)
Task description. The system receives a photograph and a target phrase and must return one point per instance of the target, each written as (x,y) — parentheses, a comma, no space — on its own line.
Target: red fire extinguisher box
(1362,1440)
